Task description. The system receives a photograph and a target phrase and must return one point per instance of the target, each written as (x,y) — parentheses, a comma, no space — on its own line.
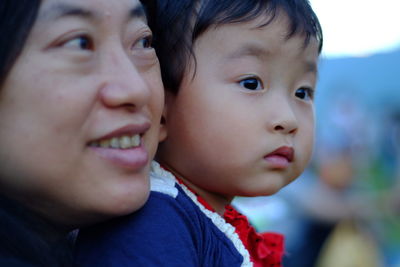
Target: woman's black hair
(25,238)
(28,240)
(16,20)
(177,24)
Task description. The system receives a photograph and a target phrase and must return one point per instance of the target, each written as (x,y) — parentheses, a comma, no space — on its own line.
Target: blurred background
(344,211)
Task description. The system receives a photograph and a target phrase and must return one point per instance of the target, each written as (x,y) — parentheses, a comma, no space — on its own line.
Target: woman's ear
(163,127)
(163,123)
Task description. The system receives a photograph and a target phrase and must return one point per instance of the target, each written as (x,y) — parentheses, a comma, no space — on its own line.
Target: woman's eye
(145,42)
(252,83)
(305,93)
(80,42)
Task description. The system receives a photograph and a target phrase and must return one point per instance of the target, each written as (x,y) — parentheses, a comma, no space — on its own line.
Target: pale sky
(358,27)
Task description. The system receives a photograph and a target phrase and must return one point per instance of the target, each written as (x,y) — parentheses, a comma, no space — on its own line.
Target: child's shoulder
(161,231)
(162,181)
(166,189)
(170,227)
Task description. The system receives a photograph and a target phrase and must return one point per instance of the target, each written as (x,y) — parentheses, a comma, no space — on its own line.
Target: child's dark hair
(176,25)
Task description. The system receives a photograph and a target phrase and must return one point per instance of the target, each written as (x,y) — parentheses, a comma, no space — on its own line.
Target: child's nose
(284,119)
(286,127)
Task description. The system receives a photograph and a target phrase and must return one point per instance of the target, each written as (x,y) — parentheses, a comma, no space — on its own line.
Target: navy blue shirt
(167,231)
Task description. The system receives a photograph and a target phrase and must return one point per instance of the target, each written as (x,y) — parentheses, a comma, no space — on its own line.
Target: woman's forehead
(93,9)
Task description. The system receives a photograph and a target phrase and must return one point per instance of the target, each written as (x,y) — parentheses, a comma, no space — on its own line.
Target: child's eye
(80,42)
(251,83)
(305,93)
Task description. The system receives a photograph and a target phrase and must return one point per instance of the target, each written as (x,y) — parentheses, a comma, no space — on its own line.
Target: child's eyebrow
(252,50)
(261,53)
(311,66)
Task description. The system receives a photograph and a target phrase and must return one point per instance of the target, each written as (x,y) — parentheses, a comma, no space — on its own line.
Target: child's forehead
(246,46)
(279,25)
(256,37)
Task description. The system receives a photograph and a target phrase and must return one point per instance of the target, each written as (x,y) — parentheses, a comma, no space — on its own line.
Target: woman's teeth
(123,142)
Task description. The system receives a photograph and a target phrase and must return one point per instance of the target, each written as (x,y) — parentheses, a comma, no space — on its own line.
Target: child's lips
(281,157)
(284,151)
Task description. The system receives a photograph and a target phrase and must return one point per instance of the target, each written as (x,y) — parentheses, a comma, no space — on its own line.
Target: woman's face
(80,112)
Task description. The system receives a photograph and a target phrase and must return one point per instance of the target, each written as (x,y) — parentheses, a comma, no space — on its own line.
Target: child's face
(250,97)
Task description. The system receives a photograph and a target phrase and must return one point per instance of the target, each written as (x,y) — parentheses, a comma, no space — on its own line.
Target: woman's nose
(124,84)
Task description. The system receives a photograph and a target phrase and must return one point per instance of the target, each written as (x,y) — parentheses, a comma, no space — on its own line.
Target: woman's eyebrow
(61,10)
(138,12)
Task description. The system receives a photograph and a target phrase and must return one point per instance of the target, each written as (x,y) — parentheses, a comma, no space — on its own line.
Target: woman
(80,104)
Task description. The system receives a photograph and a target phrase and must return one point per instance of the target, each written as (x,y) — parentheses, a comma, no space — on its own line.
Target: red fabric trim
(199,198)
(265,249)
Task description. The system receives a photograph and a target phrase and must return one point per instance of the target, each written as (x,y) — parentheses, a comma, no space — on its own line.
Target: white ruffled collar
(164,181)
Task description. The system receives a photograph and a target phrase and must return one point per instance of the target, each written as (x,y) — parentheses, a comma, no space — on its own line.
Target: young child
(240,78)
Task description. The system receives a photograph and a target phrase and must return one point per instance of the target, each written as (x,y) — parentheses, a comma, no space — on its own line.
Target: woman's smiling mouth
(124,146)
(123,142)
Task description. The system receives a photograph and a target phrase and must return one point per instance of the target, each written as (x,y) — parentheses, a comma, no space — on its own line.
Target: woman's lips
(124,147)
(128,130)
(281,157)
(134,158)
